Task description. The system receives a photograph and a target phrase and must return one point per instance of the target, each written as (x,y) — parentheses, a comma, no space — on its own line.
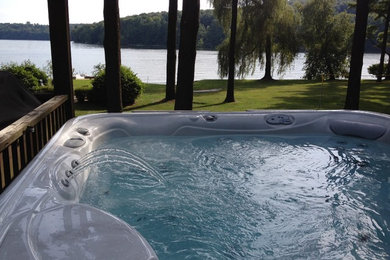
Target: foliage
(210,33)
(340,5)
(44,89)
(88,33)
(81,92)
(266,30)
(380,9)
(27,31)
(150,30)
(98,68)
(28,73)
(327,39)
(374,70)
(48,69)
(131,87)
(144,30)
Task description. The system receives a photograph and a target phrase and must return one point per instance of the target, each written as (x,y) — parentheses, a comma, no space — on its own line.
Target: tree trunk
(384,45)
(112,50)
(359,38)
(388,68)
(232,51)
(268,59)
(171,51)
(187,54)
(330,71)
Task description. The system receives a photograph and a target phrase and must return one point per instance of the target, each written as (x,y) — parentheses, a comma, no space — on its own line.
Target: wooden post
(60,52)
(112,50)
(359,38)
(187,53)
(171,51)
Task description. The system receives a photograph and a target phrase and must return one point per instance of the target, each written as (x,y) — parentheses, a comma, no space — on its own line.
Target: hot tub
(41,216)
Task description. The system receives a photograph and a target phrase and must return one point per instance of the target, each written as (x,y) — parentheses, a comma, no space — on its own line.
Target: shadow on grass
(331,95)
(147,105)
(209,105)
(318,95)
(88,106)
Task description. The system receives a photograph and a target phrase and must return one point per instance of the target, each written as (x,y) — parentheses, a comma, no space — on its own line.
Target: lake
(148,64)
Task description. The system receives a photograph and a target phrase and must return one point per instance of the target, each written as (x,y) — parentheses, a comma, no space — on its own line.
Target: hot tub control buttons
(279,119)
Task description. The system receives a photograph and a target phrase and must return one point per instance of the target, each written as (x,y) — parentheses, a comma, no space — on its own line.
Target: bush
(29,74)
(131,87)
(80,95)
(82,92)
(374,69)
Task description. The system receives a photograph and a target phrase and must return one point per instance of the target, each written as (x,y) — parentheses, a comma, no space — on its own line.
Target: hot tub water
(247,196)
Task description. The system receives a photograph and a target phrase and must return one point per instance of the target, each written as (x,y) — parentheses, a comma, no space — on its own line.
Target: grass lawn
(254,94)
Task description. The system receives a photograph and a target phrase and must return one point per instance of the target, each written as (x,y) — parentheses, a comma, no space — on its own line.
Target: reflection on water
(147,63)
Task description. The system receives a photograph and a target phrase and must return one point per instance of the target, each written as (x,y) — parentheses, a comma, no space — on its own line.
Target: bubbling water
(247,197)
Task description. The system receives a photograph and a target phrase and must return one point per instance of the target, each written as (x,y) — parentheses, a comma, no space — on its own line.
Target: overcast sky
(80,11)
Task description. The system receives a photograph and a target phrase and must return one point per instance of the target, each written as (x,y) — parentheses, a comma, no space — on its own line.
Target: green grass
(82,84)
(254,94)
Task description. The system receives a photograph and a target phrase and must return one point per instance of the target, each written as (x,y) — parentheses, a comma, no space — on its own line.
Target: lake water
(149,64)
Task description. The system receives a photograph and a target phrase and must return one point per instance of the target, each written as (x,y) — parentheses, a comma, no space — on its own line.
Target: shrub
(131,87)
(374,69)
(80,95)
(29,74)
(81,92)
(36,72)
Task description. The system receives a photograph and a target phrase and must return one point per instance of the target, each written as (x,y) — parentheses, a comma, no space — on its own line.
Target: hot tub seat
(70,232)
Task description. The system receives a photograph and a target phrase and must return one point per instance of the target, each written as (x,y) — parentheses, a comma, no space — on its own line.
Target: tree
(266,32)
(359,38)
(327,38)
(187,54)
(171,51)
(232,51)
(382,10)
(221,8)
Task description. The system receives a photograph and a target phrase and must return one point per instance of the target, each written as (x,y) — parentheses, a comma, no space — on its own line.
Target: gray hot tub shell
(40,213)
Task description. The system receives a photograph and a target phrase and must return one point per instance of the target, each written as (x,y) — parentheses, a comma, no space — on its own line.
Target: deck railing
(22,140)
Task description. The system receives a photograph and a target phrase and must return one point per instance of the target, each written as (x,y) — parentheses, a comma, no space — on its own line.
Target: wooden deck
(22,140)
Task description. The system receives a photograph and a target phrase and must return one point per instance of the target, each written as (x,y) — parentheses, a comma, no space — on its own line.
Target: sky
(80,11)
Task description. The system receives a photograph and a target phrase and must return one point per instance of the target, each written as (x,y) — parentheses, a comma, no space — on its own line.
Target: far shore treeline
(137,31)
(148,30)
